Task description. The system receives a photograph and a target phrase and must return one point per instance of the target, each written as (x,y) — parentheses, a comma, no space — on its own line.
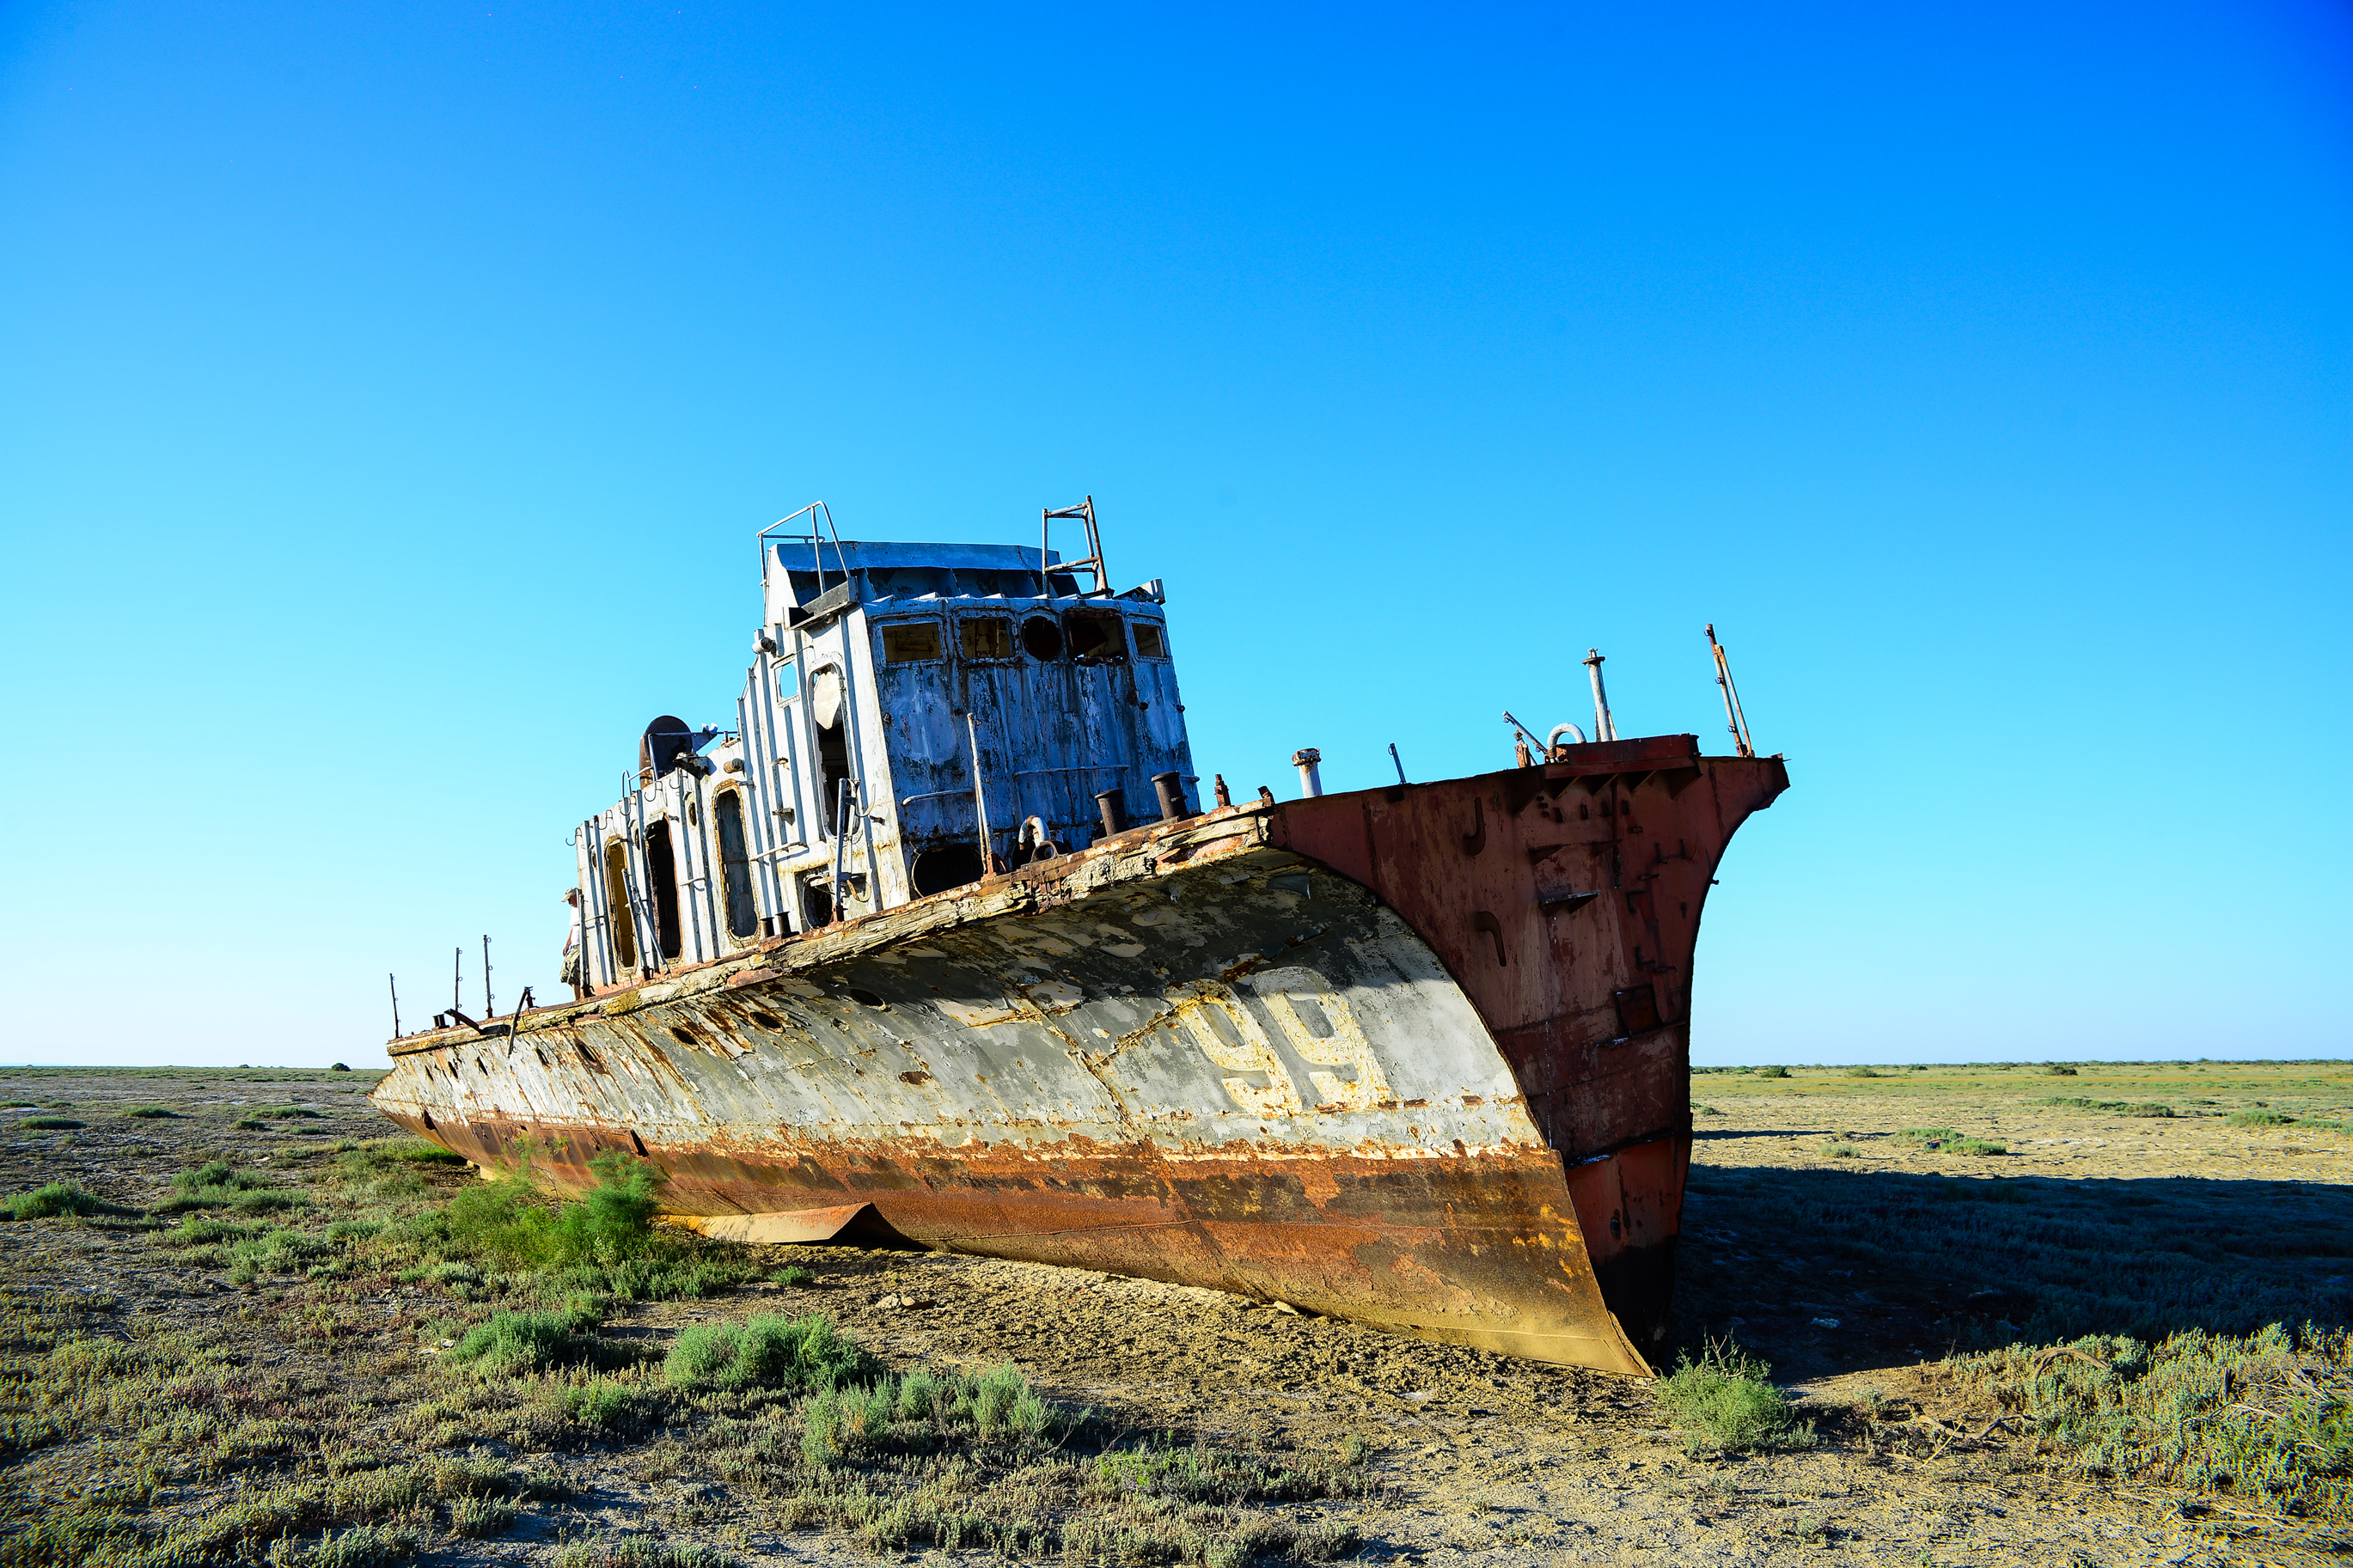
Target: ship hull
(1263,1050)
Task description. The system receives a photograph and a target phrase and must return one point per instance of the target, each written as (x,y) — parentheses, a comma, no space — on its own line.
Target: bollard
(1114,807)
(1170,788)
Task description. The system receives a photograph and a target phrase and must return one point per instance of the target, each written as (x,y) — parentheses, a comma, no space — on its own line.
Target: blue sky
(392,394)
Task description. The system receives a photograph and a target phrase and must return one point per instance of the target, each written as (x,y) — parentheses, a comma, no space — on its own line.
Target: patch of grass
(1772,1072)
(2257,1119)
(794,1275)
(526,1341)
(1725,1401)
(57,1199)
(365,1546)
(247,1124)
(199,1230)
(417,1151)
(768,1351)
(1864,1072)
(1841,1151)
(602,1404)
(218,1185)
(281,1113)
(2266,1417)
(1946,1140)
(151,1113)
(475,1518)
(636,1552)
(51,1124)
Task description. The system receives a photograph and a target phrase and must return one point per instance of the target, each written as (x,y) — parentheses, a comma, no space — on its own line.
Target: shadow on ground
(1825,1271)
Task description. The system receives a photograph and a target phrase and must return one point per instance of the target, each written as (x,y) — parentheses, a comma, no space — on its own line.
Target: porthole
(1041,637)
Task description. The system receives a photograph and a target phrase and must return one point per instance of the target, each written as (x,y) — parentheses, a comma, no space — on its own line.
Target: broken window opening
(617,904)
(816,905)
(735,864)
(1151,642)
(985,637)
(910,642)
(1096,635)
(662,870)
(832,768)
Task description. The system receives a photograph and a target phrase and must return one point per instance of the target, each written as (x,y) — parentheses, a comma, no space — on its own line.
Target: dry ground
(1854,1273)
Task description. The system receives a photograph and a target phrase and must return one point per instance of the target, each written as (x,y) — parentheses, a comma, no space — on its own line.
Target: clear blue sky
(392,393)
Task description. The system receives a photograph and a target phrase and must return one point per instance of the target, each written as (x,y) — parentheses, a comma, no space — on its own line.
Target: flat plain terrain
(271,1379)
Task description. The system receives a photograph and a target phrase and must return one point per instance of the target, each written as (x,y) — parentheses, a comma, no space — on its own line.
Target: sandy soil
(1486,1460)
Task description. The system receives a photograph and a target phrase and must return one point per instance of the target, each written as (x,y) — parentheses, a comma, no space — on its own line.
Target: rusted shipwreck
(888,961)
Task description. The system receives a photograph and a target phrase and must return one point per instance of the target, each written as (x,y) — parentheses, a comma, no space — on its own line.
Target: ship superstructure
(914,716)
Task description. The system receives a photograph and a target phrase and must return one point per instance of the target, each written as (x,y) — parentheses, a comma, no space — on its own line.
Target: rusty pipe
(1311,781)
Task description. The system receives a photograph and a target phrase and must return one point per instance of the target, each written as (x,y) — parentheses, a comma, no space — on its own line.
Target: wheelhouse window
(1151,642)
(1096,635)
(910,642)
(617,903)
(985,637)
(788,679)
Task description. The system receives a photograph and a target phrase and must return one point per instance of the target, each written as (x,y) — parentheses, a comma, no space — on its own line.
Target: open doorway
(662,870)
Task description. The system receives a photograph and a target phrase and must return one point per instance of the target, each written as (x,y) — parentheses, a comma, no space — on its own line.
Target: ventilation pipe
(1311,782)
(1603,729)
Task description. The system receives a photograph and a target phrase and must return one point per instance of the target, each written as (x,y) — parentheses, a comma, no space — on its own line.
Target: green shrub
(55,1199)
(607,1242)
(1863,1072)
(247,1124)
(2055,1070)
(918,1409)
(768,1351)
(149,1113)
(1842,1151)
(526,1341)
(1725,1401)
(281,1113)
(1975,1146)
(50,1124)
(2266,1417)
(420,1151)
(2258,1119)
(601,1404)
(1772,1072)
